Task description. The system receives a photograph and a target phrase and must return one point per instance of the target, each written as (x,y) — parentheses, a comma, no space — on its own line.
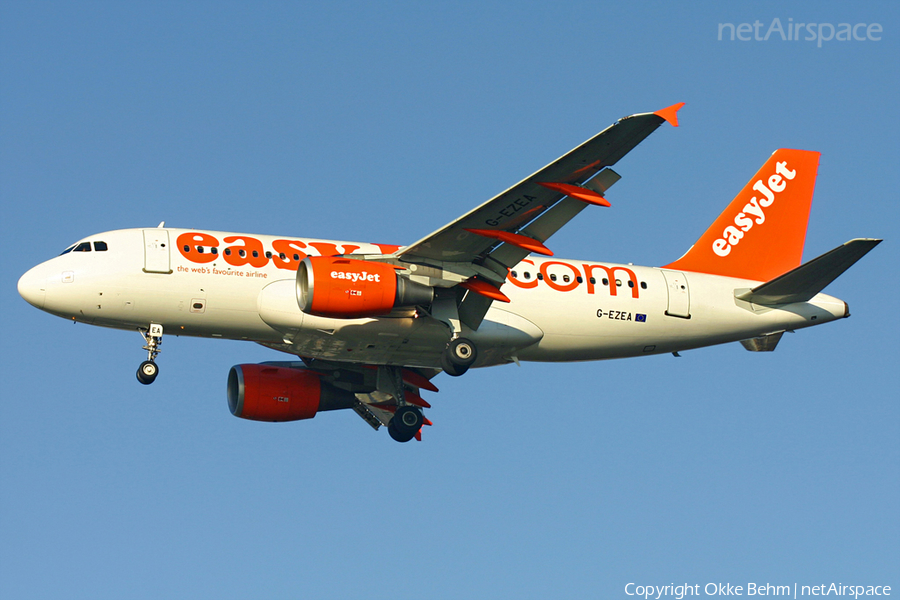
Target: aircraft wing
(495,236)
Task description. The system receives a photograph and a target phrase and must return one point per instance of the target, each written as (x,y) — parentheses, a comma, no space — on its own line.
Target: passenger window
(605,281)
(618,283)
(552,276)
(540,276)
(630,283)
(227,251)
(566,278)
(527,275)
(83,247)
(268,254)
(593,280)
(513,273)
(214,250)
(579,279)
(200,249)
(255,254)
(643,285)
(296,257)
(242,253)
(281,255)
(100,246)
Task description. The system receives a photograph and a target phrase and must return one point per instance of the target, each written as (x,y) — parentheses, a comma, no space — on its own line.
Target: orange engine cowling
(276,393)
(344,288)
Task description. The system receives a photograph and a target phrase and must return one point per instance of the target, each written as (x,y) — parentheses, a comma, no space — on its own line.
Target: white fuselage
(559,310)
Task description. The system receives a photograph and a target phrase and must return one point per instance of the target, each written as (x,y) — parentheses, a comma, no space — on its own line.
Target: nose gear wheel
(148,370)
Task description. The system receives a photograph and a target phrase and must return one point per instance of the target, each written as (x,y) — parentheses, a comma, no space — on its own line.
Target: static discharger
(516,239)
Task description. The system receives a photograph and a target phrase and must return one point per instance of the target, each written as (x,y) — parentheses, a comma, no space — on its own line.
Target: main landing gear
(459,355)
(148,370)
(406,423)
(408,419)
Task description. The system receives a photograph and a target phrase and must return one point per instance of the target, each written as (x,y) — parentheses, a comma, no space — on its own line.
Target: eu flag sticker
(640,318)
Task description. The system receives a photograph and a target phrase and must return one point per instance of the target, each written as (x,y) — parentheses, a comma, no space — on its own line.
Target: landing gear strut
(459,355)
(406,423)
(148,370)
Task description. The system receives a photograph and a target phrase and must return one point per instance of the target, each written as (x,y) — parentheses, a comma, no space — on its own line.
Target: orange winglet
(583,194)
(670,113)
(413,378)
(426,421)
(416,400)
(480,286)
(516,239)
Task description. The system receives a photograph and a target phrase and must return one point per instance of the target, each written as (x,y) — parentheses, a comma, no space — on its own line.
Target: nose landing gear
(148,370)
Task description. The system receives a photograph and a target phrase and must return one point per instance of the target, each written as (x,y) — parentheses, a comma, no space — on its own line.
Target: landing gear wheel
(147,372)
(449,368)
(405,424)
(458,357)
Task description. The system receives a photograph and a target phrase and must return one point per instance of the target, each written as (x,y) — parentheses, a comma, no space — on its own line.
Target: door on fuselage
(679,294)
(156,251)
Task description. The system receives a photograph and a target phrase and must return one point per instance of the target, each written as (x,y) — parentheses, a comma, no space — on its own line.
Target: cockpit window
(100,246)
(82,247)
(67,250)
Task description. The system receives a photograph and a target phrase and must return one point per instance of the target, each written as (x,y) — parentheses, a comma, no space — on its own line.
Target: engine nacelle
(344,288)
(275,393)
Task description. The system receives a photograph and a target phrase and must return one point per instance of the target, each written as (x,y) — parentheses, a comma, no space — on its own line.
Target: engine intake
(344,288)
(274,393)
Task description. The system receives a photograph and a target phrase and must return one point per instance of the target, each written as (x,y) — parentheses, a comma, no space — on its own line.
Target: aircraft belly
(502,335)
(406,340)
(183,304)
(383,340)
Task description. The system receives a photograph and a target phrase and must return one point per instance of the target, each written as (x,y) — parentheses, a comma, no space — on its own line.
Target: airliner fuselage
(559,310)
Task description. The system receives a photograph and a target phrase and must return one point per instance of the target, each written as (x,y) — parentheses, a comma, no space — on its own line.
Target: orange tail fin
(761,233)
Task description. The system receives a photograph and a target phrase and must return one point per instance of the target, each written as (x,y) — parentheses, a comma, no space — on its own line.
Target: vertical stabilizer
(761,233)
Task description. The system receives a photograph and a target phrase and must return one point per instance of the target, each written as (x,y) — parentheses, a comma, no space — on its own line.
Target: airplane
(370,325)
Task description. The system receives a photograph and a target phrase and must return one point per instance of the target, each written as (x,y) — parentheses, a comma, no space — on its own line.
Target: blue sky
(381,122)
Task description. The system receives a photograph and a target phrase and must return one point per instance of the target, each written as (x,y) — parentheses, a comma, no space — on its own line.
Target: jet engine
(275,393)
(344,288)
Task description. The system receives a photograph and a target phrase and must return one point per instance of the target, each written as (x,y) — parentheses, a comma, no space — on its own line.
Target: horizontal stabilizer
(807,280)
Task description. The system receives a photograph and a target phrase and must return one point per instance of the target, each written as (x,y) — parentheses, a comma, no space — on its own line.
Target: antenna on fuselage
(161,225)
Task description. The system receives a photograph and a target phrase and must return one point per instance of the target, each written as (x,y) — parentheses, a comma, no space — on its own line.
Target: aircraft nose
(33,287)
